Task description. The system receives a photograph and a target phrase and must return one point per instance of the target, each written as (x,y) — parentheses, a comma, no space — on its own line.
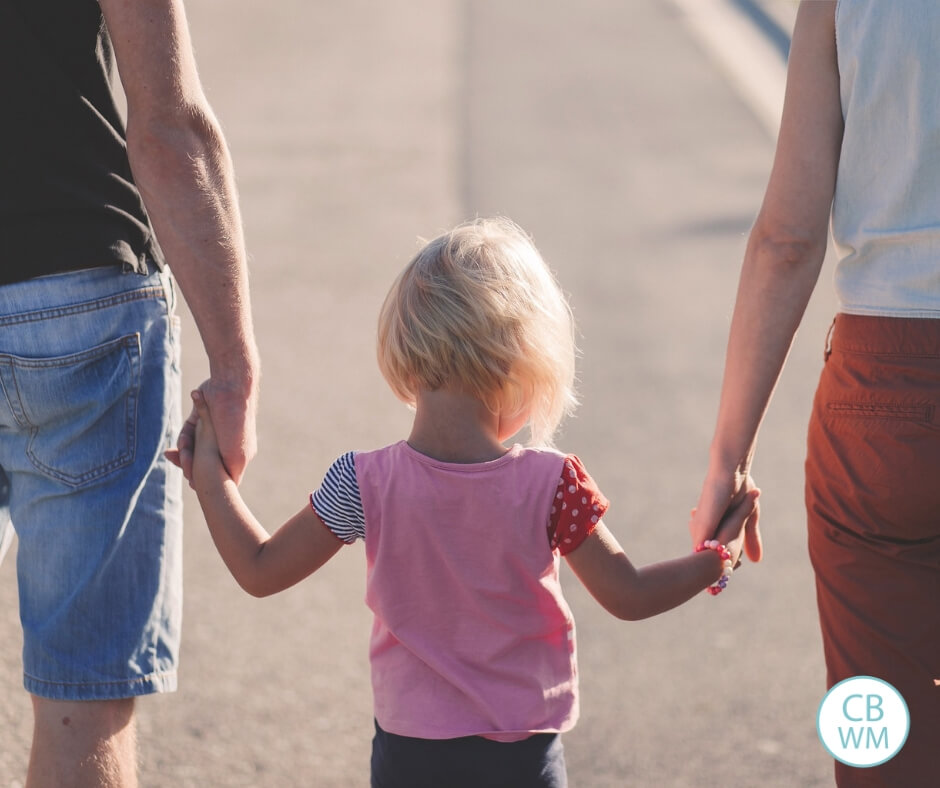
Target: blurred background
(633,140)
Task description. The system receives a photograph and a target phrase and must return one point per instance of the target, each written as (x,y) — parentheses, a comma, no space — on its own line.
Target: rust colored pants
(873,505)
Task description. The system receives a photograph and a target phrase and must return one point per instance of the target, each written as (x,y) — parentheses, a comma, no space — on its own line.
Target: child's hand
(719,489)
(207,461)
(731,529)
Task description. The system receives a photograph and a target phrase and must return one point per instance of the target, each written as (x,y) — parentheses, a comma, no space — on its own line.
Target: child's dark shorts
(467,762)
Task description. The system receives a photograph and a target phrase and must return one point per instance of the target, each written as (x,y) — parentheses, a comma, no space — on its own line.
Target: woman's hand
(720,495)
(732,531)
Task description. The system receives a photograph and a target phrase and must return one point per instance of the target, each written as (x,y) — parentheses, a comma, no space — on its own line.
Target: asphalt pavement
(608,132)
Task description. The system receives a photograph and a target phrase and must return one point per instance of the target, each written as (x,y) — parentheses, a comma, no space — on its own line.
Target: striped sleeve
(338,503)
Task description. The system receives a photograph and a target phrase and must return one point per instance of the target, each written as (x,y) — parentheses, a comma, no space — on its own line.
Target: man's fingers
(187,436)
(185,443)
(186,463)
(201,407)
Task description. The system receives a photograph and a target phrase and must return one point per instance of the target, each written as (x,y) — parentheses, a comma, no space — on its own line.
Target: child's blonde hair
(478,310)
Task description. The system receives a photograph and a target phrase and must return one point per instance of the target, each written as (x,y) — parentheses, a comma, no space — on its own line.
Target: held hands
(728,541)
(732,530)
(719,505)
(205,457)
(232,424)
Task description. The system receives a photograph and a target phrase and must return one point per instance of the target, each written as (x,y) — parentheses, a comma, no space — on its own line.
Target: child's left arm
(632,593)
(262,564)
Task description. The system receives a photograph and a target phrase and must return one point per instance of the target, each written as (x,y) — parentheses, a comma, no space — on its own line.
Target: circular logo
(863,721)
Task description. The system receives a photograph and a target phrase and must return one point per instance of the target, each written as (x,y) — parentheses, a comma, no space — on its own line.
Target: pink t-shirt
(471,634)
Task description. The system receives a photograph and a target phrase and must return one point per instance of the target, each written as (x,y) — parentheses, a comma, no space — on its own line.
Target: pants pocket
(79,411)
(918,413)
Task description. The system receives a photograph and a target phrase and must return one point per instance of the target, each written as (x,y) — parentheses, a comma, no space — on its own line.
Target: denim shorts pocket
(79,411)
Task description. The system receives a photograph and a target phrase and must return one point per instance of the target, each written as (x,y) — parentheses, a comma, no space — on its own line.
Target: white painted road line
(753,65)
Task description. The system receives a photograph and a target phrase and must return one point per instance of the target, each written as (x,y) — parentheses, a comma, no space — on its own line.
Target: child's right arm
(261,563)
(632,593)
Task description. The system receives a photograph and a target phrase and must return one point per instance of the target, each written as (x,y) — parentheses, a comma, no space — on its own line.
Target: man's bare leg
(83,744)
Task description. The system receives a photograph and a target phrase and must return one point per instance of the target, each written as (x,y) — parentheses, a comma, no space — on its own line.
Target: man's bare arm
(182,167)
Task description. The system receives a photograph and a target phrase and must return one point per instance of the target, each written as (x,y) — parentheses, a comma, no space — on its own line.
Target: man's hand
(233,419)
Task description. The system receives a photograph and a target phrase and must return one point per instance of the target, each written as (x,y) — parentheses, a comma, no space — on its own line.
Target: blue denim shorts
(89,400)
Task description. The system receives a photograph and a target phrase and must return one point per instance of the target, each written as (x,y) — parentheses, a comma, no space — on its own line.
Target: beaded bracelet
(727,568)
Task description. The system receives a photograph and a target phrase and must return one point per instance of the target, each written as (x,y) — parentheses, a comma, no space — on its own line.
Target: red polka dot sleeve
(577,508)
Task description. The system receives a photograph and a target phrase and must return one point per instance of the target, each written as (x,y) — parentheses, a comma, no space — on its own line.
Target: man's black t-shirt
(67,196)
